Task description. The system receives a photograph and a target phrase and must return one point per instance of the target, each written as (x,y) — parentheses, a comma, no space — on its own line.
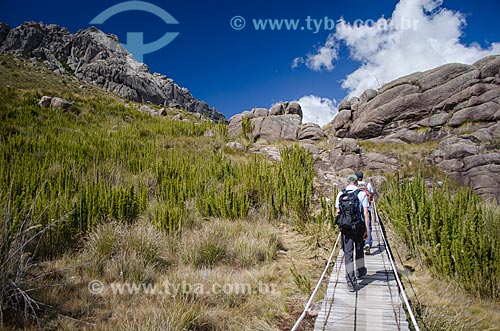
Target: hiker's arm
(337,205)
(370,188)
(367,222)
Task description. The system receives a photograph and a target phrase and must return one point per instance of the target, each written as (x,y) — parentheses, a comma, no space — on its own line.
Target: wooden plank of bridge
(375,306)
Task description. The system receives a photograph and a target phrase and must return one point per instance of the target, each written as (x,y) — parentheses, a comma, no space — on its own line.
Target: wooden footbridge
(379,303)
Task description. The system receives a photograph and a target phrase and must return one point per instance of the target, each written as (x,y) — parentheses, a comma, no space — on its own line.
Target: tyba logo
(135,40)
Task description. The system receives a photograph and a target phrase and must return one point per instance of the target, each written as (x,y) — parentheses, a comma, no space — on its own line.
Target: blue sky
(363,44)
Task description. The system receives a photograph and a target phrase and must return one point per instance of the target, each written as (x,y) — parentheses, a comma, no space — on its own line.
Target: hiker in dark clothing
(353,243)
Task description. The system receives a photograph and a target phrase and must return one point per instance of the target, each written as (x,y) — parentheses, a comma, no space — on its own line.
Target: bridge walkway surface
(376,305)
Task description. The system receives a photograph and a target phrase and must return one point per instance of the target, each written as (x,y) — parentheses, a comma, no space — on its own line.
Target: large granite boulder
(266,128)
(282,122)
(310,131)
(456,104)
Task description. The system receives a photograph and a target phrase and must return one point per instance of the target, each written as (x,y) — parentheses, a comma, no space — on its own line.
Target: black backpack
(349,218)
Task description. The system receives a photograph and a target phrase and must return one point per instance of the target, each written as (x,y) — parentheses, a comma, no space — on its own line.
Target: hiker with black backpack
(352,218)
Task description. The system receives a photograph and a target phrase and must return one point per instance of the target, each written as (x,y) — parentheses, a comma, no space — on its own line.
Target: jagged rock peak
(99,59)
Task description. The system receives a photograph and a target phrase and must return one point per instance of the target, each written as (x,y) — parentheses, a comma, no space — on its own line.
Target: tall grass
(105,161)
(450,230)
(284,189)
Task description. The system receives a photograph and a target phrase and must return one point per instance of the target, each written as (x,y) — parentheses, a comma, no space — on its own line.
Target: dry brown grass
(445,307)
(249,287)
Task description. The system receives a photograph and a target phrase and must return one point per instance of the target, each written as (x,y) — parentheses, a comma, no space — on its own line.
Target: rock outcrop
(54,103)
(282,122)
(456,105)
(99,59)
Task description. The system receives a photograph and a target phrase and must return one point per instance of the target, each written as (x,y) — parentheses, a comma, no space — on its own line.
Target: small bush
(235,243)
(178,315)
(119,252)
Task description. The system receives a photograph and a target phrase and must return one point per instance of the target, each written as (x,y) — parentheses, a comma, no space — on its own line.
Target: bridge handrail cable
(308,304)
(398,280)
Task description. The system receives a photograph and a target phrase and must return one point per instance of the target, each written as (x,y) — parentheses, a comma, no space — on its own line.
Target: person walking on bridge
(354,226)
(368,189)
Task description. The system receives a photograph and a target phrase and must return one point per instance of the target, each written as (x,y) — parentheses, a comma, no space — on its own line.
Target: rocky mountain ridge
(98,59)
(454,110)
(455,105)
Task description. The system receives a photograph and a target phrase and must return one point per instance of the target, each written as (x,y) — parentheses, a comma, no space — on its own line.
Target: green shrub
(452,231)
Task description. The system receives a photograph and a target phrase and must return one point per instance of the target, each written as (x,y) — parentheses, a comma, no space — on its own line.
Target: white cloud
(317,110)
(296,62)
(323,58)
(419,35)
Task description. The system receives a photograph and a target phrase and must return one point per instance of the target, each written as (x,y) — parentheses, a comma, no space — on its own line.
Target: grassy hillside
(104,195)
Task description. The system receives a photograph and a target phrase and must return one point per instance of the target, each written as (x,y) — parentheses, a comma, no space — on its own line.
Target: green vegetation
(452,231)
(70,171)
(302,282)
(257,184)
(247,129)
(117,195)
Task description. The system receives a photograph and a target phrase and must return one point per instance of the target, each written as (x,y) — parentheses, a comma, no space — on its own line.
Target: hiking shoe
(367,249)
(361,273)
(351,287)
